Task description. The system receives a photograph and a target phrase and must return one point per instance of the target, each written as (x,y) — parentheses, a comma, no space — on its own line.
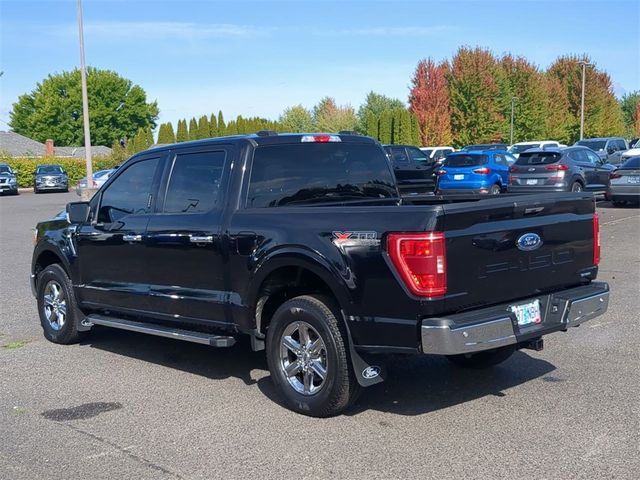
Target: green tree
(372,125)
(386,127)
(117,109)
(629,105)
(182,134)
(296,119)
(203,127)
(329,117)
(193,129)
(165,134)
(222,127)
(474,91)
(375,104)
(213,125)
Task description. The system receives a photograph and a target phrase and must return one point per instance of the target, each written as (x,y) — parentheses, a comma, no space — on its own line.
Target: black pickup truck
(303,243)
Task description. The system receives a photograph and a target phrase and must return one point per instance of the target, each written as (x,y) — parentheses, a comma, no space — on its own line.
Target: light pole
(584,69)
(513,100)
(85,101)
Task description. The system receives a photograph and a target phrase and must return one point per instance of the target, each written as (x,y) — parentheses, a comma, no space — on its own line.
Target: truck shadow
(415,385)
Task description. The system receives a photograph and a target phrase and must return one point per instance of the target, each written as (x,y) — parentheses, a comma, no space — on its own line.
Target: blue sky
(255,58)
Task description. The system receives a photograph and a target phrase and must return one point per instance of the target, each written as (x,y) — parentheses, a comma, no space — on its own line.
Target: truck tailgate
(492,256)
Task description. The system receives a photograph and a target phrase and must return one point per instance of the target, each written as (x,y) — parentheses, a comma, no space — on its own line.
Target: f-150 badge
(355,239)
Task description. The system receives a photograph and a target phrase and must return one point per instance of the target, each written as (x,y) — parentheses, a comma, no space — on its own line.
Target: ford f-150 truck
(303,243)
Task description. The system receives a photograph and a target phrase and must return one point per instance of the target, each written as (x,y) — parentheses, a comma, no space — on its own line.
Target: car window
(594,145)
(315,173)
(129,193)
(465,160)
(633,162)
(593,158)
(417,155)
(538,158)
(579,156)
(5,169)
(427,151)
(194,184)
(501,160)
(49,170)
(398,155)
(620,144)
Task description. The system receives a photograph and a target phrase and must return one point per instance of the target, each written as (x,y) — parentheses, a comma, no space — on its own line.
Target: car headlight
(12,180)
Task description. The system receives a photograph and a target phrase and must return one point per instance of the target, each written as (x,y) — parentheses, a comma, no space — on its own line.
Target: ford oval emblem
(371,372)
(529,241)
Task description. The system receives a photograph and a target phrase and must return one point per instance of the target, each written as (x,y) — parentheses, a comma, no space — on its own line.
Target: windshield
(49,170)
(101,173)
(472,160)
(5,169)
(319,173)
(521,148)
(427,151)
(594,145)
(633,162)
(538,158)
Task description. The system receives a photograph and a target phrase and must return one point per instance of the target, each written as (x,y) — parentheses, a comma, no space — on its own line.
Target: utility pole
(513,99)
(584,71)
(85,101)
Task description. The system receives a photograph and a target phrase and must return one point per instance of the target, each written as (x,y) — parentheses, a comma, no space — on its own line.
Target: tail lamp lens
(482,171)
(421,262)
(596,239)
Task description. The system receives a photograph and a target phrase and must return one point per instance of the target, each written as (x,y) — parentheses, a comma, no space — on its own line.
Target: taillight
(613,175)
(557,168)
(420,260)
(513,168)
(441,172)
(596,239)
(482,171)
(320,138)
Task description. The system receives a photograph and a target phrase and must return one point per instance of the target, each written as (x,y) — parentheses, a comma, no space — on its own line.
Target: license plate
(459,176)
(527,314)
(633,179)
(532,182)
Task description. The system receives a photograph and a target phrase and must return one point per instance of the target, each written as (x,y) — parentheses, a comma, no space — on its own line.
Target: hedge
(76,168)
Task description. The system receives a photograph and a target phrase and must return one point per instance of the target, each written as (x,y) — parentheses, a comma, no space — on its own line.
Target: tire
(618,203)
(339,388)
(576,187)
(495,190)
(35,190)
(485,359)
(59,326)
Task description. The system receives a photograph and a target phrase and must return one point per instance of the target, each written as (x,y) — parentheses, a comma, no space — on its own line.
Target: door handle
(201,238)
(132,238)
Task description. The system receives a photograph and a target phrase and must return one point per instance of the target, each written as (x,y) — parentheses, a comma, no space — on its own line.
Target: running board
(162,331)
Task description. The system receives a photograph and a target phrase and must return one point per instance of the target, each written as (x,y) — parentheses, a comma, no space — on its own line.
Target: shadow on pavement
(415,384)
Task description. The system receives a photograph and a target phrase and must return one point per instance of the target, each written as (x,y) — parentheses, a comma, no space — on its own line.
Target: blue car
(475,171)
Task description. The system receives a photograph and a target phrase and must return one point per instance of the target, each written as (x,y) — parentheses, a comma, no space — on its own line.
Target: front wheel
(308,357)
(480,360)
(576,187)
(495,190)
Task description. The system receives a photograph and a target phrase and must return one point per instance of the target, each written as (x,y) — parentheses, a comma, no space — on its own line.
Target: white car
(99,178)
(632,152)
(517,148)
(437,154)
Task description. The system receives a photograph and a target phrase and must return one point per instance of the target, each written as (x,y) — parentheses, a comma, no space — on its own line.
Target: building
(17,145)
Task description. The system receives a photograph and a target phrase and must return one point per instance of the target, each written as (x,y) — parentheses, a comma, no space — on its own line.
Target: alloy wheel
(55,305)
(303,358)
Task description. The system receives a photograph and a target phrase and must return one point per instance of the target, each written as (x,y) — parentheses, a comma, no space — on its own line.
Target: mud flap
(367,373)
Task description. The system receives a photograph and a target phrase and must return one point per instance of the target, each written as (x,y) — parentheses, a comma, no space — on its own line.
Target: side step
(162,331)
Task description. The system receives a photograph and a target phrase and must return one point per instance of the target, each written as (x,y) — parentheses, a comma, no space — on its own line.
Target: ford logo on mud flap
(371,372)
(529,241)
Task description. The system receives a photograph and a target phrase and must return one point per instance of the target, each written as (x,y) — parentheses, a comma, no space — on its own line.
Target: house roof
(18,145)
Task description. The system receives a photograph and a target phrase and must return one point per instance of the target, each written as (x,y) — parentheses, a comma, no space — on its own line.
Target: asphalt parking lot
(124,405)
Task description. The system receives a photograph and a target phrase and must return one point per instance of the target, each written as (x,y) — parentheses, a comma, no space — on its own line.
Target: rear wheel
(618,203)
(308,357)
(576,187)
(481,360)
(495,190)
(59,314)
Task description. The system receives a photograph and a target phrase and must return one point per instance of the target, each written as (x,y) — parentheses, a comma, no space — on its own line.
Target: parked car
(625,183)
(437,154)
(632,152)
(413,169)
(302,243)
(99,178)
(570,169)
(475,172)
(607,148)
(8,180)
(50,177)
(487,146)
(517,148)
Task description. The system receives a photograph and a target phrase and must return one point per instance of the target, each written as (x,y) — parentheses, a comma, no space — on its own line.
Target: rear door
(601,171)
(588,167)
(185,247)
(112,260)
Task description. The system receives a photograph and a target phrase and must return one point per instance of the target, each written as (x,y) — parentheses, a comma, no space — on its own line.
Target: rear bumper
(538,189)
(497,326)
(481,190)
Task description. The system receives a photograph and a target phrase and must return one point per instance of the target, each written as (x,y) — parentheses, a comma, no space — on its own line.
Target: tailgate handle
(201,239)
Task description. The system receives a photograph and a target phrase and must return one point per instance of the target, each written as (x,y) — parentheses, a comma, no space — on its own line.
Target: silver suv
(607,148)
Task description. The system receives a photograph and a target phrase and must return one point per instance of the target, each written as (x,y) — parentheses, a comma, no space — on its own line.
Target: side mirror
(611,150)
(78,212)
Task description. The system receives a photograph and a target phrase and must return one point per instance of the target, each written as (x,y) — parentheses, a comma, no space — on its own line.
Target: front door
(111,248)
(185,246)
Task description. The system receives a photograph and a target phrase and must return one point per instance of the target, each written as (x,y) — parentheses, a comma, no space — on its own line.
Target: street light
(85,101)
(513,100)
(584,68)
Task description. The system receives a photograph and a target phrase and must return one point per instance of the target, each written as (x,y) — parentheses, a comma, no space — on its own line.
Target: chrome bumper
(496,326)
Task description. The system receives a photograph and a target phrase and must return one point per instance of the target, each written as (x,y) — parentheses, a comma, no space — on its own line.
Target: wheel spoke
(62,308)
(55,290)
(308,381)
(291,344)
(304,334)
(48,299)
(292,369)
(316,347)
(319,370)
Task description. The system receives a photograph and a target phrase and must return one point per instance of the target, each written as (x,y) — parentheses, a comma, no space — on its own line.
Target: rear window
(594,145)
(538,158)
(521,148)
(633,162)
(318,173)
(465,160)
